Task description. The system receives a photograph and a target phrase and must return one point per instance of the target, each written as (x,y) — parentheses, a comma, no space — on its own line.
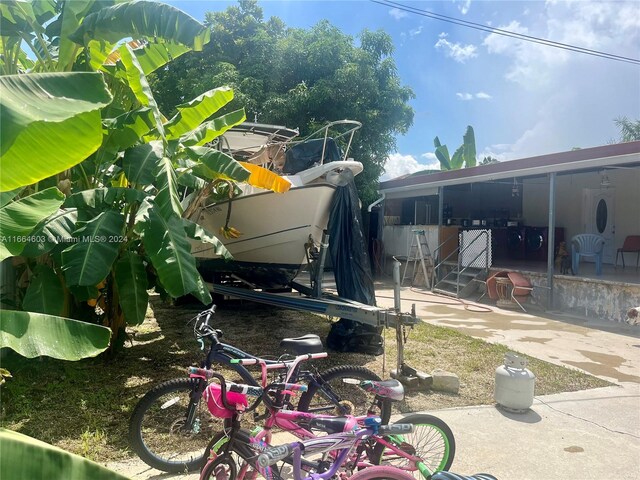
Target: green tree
(299,78)
(464,156)
(629,129)
(488,160)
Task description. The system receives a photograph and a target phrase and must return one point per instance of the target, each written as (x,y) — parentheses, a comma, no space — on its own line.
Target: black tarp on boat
(348,250)
(304,155)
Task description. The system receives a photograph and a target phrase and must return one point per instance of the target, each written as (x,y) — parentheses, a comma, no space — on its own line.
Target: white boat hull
(274,229)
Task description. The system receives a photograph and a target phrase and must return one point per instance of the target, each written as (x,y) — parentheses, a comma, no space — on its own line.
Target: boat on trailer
(277,230)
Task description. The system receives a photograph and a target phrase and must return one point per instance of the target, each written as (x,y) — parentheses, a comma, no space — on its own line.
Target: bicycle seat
(391,389)
(455,476)
(333,424)
(306,344)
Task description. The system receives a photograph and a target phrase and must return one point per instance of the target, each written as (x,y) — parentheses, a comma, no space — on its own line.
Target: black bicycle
(171,427)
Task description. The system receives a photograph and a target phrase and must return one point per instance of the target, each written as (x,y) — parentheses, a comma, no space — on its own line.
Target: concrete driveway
(591,434)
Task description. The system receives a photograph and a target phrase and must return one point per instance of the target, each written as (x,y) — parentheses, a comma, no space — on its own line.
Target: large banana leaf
(131,279)
(151,55)
(207,131)
(142,19)
(54,230)
(49,122)
(19,16)
(458,158)
(469,148)
(35,334)
(98,199)
(89,260)
(191,114)
(165,241)
(24,457)
(127,129)
(140,86)
(196,232)
(73,13)
(216,164)
(6,197)
(167,199)
(202,293)
(45,293)
(442,154)
(141,162)
(19,218)
(262,178)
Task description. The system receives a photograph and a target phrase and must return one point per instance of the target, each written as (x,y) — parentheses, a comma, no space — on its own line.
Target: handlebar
(202,329)
(274,454)
(251,390)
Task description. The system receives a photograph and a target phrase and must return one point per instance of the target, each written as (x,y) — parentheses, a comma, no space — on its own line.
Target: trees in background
(300,79)
(629,129)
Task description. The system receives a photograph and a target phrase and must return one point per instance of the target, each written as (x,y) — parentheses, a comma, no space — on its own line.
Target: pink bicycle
(428,447)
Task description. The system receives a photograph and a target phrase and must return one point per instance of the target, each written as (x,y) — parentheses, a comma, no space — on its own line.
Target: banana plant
(465,154)
(120,227)
(27,457)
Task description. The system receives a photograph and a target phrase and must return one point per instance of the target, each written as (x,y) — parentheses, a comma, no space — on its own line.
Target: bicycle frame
(289,421)
(342,443)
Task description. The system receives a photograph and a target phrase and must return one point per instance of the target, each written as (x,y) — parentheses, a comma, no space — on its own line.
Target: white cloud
(397,13)
(470,96)
(612,27)
(464,8)
(464,96)
(398,165)
(432,160)
(415,32)
(460,53)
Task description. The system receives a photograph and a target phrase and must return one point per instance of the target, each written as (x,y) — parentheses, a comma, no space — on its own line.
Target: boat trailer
(314,300)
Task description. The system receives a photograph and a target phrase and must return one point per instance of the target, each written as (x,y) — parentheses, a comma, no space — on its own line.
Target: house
(527,207)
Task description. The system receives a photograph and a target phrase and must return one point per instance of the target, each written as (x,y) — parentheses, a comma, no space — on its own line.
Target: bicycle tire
(381,472)
(312,399)
(241,448)
(432,441)
(154,433)
(212,470)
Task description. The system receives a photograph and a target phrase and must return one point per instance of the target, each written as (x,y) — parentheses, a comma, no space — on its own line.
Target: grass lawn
(84,406)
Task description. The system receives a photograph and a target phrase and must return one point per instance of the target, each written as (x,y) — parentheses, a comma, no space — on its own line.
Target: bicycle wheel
(222,468)
(158,430)
(381,472)
(242,454)
(348,399)
(431,440)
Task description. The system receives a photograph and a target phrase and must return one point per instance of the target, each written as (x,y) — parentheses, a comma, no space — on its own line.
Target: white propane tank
(514,384)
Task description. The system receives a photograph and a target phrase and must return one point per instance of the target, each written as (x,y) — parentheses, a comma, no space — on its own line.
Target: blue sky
(521,98)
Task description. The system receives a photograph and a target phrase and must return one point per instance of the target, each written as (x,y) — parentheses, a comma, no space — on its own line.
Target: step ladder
(419,252)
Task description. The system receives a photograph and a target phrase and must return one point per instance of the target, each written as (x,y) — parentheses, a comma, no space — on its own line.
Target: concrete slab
(608,350)
(586,435)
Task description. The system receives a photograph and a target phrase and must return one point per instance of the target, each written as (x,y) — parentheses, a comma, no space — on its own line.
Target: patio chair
(508,289)
(587,245)
(631,244)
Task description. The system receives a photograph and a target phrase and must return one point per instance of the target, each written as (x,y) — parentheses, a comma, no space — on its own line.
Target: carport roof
(619,154)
